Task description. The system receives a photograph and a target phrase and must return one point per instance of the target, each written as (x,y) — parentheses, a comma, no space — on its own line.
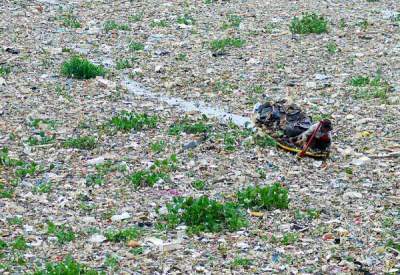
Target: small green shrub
(20,243)
(186,20)
(44,187)
(242,262)
(4,70)
(112,25)
(67,267)
(368,88)
(94,179)
(267,197)
(3,244)
(6,192)
(126,121)
(63,233)
(309,23)
(146,178)
(40,139)
(289,238)
(233,21)
(30,168)
(123,64)
(187,127)
(199,184)
(123,235)
(264,141)
(332,47)
(203,214)
(220,45)
(159,24)
(83,143)
(136,46)
(158,146)
(70,21)
(81,68)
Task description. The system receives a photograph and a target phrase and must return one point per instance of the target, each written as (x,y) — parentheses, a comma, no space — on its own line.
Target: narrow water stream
(210,111)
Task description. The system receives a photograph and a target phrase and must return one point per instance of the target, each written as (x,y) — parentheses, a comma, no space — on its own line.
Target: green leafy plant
(186,20)
(332,47)
(309,23)
(122,235)
(203,214)
(182,57)
(136,46)
(63,233)
(188,127)
(70,21)
(199,184)
(6,192)
(67,267)
(264,141)
(136,17)
(158,146)
(126,121)
(159,24)
(110,25)
(111,261)
(242,262)
(30,168)
(267,197)
(3,244)
(94,179)
(81,68)
(20,243)
(124,64)
(368,88)
(43,187)
(146,178)
(40,139)
(233,21)
(289,238)
(15,221)
(83,143)
(224,87)
(220,45)
(4,70)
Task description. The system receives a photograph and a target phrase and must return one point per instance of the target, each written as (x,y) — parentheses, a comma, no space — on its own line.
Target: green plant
(186,20)
(110,25)
(224,87)
(199,184)
(63,233)
(136,46)
(309,23)
(188,127)
(6,192)
(80,68)
(264,141)
(25,169)
(15,221)
(40,139)
(270,27)
(94,179)
(182,57)
(363,24)
(393,244)
(126,121)
(342,23)
(232,22)
(122,235)
(3,244)
(368,88)
(220,45)
(136,17)
(203,214)
(111,262)
(123,64)
(146,178)
(159,24)
(83,143)
(242,262)
(267,197)
(332,47)
(67,267)
(69,20)
(289,238)
(158,146)
(20,243)
(137,251)
(4,70)
(43,187)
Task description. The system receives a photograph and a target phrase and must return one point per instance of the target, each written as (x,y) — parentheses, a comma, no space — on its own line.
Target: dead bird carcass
(293,129)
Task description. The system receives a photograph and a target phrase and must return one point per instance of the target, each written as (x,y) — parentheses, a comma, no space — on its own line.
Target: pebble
(97,238)
(95,161)
(361,161)
(352,195)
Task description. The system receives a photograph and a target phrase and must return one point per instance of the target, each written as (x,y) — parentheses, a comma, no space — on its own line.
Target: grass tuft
(267,197)
(220,45)
(67,267)
(83,143)
(126,121)
(122,235)
(80,68)
(309,23)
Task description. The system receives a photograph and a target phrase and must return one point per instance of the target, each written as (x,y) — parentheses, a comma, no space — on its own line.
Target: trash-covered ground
(75,184)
